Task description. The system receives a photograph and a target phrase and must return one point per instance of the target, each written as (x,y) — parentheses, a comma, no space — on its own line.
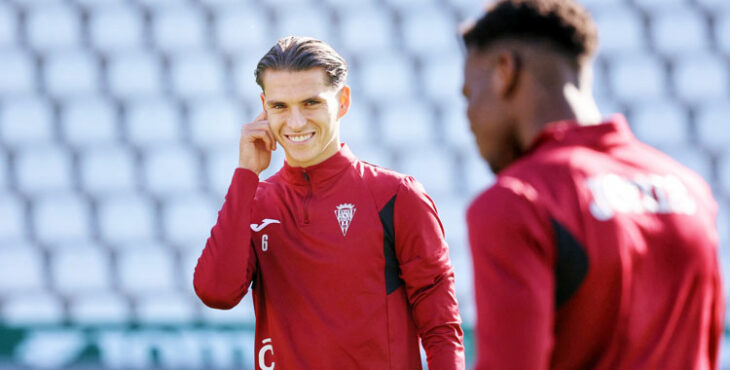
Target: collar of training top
(321,172)
(613,131)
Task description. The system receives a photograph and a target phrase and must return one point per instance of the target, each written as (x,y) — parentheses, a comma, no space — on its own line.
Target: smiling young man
(346,260)
(592,250)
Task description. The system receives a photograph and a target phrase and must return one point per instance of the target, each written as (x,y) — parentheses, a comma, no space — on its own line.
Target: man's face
(303,113)
(488,111)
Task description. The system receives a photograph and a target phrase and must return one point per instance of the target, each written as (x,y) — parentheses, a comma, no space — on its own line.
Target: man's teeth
(299,138)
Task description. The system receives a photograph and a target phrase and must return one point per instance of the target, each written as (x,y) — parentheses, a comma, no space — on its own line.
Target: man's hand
(256,144)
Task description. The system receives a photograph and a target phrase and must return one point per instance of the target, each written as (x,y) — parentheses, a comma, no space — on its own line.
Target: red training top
(595,251)
(348,263)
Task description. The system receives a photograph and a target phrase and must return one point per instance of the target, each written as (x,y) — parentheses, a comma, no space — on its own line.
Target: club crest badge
(345,213)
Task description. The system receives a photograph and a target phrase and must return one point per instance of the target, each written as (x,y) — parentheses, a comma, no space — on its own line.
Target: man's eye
(311,103)
(277,106)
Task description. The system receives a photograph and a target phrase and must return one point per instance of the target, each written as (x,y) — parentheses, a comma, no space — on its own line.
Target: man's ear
(507,73)
(263,101)
(343,99)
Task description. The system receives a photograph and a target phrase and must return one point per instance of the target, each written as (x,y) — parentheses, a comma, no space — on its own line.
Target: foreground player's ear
(343,98)
(263,101)
(507,73)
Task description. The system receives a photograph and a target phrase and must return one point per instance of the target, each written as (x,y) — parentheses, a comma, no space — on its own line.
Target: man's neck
(570,104)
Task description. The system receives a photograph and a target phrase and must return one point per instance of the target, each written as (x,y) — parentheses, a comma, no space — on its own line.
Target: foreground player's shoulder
(510,199)
(380,179)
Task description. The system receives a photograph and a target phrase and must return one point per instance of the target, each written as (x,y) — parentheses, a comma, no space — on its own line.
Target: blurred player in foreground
(592,250)
(347,261)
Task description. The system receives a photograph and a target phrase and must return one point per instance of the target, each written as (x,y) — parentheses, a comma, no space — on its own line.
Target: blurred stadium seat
(379,22)
(407,124)
(14,227)
(661,123)
(638,77)
(214,122)
(621,30)
(62,217)
(100,308)
(21,269)
(146,269)
(8,25)
(679,29)
(33,308)
(17,73)
(134,74)
(178,27)
(57,174)
(107,170)
(197,75)
(120,120)
(52,27)
(387,77)
(126,218)
(701,77)
(152,122)
(116,28)
(428,30)
(70,73)
(26,121)
(712,120)
(89,121)
(170,170)
(69,260)
(239,28)
(303,20)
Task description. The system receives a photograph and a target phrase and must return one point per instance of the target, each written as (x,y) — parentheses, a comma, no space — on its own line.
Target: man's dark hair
(565,24)
(295,53)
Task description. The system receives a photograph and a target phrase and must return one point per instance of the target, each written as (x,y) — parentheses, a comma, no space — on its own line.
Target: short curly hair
(565,24)
(296,53)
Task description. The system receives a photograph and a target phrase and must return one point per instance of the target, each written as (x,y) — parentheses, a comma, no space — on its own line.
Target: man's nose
(296,120)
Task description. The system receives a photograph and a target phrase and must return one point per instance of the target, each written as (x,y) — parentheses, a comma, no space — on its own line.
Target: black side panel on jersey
(392,269)
(571,265)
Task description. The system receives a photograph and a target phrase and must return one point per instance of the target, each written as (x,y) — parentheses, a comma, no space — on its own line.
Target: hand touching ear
(256,144)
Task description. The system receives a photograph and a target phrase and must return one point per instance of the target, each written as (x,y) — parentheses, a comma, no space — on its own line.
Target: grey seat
(80,269)
(17,73)
(126,218)
(712,125)
(700,77)
(89,121)
(62,218)
(107,170)
(53,27)
(116,28)
(57,174)
(26,121)
(71,73)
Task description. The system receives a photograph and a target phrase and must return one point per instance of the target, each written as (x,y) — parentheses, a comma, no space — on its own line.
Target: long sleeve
(426,270)
(513,280)
(228,263)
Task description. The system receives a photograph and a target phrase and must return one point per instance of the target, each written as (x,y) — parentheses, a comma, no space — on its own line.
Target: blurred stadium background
(119,123)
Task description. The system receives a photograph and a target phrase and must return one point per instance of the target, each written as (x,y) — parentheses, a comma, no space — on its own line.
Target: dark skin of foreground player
(515,88)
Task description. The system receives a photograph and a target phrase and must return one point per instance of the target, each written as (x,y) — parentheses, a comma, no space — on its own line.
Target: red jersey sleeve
(514,281)
(219,279)
(426,270)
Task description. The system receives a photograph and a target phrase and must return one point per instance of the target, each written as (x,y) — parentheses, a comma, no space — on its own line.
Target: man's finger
(260,134)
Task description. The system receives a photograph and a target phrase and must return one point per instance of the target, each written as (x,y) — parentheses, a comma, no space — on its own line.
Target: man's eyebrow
(312,98)
(274,102)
